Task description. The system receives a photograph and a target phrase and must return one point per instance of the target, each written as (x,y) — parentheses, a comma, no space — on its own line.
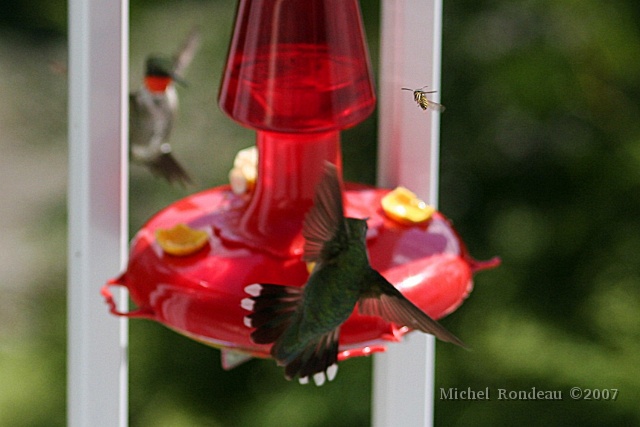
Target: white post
(97,204)
(411,39)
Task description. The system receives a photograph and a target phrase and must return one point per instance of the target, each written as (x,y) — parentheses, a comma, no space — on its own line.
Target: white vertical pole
(411,41)
(97,204)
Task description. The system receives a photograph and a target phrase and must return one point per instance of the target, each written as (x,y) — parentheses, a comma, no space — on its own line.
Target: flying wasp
(420,97)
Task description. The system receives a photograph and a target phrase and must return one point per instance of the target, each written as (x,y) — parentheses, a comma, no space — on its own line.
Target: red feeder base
(199,295)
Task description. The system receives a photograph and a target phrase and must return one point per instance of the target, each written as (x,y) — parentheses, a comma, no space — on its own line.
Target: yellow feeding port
(181,240)
(404,206)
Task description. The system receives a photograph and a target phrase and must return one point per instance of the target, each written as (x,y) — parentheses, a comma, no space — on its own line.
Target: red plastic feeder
(298,73)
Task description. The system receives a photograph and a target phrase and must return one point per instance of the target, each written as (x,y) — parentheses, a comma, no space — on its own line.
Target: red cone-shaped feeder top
(298,73)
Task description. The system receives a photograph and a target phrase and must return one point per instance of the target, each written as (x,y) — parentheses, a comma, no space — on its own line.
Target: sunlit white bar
(411,40)
(97,210)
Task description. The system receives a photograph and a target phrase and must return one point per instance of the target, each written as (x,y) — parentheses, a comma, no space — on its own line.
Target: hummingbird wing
(324,225)
(384,300)
(187,51)
(274,313)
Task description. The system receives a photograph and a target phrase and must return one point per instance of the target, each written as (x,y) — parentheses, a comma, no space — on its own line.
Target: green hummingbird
(303,323)
(153,109)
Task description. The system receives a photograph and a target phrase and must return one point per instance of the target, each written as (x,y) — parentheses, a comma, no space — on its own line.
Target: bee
(421,98)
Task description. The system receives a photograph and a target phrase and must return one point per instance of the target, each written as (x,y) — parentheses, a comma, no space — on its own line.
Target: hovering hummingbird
(420,96)
(304,323)
(152,111)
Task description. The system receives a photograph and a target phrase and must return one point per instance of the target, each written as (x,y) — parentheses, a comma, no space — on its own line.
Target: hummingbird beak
(178,79)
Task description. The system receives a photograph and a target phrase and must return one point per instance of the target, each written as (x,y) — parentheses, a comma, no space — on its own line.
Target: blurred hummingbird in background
(152,111)
(304,322)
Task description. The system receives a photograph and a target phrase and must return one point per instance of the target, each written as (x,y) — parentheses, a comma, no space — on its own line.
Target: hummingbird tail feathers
(317,359)
(273,310)
(273,307)
(167,167)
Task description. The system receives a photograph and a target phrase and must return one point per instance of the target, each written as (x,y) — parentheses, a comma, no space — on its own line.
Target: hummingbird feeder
(298,73)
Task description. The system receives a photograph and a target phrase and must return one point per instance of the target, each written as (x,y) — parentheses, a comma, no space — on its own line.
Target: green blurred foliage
(538,165)
(36,18)
(540,156)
